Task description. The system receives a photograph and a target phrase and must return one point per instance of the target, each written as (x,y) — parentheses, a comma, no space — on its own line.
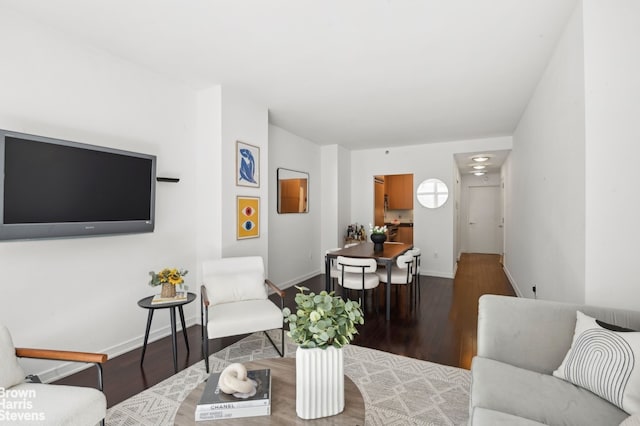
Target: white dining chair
(401,273)
(358,274)
(416,253)
(333,268)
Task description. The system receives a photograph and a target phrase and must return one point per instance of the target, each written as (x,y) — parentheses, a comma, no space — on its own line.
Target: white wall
(208,166)
(344,194)
(505,174)
(612,81)
(336,196)
(433,229)
(81,293)
(545,218)
(294,238)
(246,121)
(457,218)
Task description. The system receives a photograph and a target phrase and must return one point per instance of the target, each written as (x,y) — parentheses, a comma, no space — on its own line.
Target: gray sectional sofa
(520,343)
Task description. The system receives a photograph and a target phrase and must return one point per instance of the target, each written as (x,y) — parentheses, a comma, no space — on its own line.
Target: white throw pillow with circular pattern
(604,361)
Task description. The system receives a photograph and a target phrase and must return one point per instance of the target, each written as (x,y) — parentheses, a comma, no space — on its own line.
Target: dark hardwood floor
(441,328)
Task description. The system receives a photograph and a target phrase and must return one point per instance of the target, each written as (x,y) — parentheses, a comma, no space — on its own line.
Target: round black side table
(146,304)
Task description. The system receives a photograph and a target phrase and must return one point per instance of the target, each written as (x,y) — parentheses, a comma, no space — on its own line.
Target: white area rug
(396,390)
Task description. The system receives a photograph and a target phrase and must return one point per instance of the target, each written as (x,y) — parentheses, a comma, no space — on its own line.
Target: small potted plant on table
(322,324)
(169,278)
(378,236)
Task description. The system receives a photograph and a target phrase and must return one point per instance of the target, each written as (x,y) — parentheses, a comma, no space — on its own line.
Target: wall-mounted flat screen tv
(53,188)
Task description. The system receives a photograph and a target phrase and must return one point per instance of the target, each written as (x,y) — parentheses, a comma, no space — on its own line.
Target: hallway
(444,327)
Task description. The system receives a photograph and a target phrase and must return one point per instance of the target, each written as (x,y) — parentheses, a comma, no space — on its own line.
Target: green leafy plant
(322,320)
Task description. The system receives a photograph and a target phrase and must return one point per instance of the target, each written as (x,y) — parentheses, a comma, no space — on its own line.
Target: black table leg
(184,327)
(146,334)
(389,265)
(327,272)
(173,338)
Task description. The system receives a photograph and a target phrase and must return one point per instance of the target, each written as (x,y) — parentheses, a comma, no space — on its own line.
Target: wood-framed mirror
(293,191)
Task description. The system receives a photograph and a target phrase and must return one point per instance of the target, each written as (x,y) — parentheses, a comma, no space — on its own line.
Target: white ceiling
(495,160)
(360,73)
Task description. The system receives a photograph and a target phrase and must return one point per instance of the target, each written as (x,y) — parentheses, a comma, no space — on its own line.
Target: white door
(484,228)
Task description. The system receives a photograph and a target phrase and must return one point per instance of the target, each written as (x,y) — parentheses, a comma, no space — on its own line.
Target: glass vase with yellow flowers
(168,278)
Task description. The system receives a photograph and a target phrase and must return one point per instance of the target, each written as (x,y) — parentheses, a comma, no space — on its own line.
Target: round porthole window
(432,193)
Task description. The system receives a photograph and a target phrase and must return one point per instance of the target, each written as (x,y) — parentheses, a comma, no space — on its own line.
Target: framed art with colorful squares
(248,222)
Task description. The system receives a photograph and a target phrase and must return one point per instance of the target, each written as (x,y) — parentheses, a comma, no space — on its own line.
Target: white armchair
(234,300)
(37,403)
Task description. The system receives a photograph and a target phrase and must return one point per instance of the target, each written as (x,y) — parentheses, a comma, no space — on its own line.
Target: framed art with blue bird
(247,165)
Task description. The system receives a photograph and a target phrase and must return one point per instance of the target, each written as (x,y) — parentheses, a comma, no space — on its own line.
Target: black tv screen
(53,188)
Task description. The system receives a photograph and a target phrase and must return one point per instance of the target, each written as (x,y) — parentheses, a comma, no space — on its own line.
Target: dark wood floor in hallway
(441,328)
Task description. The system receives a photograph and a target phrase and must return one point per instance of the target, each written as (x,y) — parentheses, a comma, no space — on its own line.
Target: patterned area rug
(396,390)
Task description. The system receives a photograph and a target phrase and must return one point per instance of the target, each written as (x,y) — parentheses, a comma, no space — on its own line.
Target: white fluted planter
(319,382)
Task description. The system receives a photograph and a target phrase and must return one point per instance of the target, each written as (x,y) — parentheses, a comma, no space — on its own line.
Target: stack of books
(215,404)
(179,297)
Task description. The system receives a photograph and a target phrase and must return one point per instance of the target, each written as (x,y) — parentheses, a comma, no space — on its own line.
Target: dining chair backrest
(357,265)
(405,261)
(358,274)
(415,252)
(332,263)
(401,272)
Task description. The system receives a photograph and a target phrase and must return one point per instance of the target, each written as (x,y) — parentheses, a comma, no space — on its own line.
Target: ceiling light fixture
(480,167)
(479,173)
(480,159)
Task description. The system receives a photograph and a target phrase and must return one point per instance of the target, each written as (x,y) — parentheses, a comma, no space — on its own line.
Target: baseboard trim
(69,368)
(512,281)
(285,285)
(439,274)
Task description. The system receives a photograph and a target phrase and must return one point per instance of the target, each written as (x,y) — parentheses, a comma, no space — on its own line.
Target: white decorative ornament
(319,382)
(234,380)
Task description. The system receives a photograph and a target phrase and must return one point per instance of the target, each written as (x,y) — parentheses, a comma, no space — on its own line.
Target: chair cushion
(354,281)
(539,397)
(231,319)
(235,287)
(232,279)
(57,405)
(604,362)
(398,275)
(10,371)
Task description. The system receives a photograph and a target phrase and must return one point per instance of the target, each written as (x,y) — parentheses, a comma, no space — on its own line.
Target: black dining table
(385,257)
